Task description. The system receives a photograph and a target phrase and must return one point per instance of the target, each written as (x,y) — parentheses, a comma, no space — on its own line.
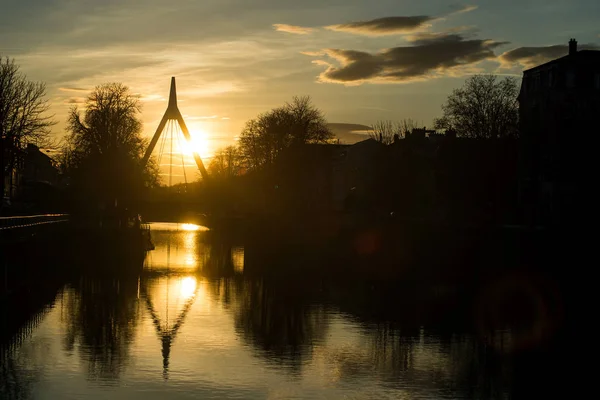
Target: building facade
(559,104)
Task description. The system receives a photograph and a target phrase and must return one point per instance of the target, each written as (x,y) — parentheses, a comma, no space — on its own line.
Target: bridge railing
(29,221)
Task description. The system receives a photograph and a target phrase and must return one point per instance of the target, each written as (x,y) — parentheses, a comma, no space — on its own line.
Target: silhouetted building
(356,169)
(559,104)
(420,133)
(39,167)
(302,178)
(321,178)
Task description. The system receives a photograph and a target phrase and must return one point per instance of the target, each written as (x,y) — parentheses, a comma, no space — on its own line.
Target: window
(597,80)
(550,78)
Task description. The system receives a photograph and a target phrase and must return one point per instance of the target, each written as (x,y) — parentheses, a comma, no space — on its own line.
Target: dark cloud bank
(428,54)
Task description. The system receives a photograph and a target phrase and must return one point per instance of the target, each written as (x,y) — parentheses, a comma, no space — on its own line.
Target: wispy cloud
(152,97)
(74,100)
(298,30)
(463,9)
(74,89)
(313,53)
(384,26)
(202,117)
(428,57)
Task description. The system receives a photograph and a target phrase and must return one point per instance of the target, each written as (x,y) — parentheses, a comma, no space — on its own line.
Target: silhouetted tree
(298,122)
(226,163)
(385,131)
(279,322)
(104,148)
(23,118)
(485,107)
(102,317)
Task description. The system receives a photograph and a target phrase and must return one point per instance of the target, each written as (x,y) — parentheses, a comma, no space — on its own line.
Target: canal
(193,322)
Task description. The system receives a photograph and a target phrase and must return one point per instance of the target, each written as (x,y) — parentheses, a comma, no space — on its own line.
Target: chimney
(572,47)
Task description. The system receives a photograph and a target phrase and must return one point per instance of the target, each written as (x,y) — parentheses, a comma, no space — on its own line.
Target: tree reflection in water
(287,322)
(279,322)
(101,316)
(425,364)
(17,377)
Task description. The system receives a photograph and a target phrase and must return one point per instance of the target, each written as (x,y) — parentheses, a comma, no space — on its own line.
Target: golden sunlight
(188,287)
(199,143)
(190,227)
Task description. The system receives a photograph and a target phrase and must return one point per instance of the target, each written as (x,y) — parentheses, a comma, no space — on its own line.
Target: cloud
(529,57)
(313,53)
(75,100)
(202,117)
(349,133)
(432,36)
(74,89)
(151,97)
(429,56)
(395,25)
(464,9)
(384,26)
(299,30)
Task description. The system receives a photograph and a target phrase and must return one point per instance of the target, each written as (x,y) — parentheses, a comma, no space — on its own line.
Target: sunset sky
(361,61)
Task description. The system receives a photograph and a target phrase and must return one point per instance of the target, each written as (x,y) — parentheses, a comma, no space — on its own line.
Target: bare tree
(226,163)
(383,132)
(105,148)
(110,122)
(406,126)
(23,115)
(386,131)
(485,107)
(298,122)
(307,123)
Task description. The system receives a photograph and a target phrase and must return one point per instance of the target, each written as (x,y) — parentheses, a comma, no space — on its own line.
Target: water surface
(192,323)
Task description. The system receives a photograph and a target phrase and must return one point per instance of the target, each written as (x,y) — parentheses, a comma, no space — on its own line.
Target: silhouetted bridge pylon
(173,114)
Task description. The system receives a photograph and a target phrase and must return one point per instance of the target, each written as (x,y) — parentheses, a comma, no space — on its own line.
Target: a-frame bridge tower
(174,114)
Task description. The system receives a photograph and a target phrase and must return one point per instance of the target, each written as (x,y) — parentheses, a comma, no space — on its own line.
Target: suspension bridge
(171,137)
(167,129)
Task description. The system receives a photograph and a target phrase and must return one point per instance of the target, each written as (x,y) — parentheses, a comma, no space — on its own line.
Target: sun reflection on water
(187,287)
(177,248)
(191,227)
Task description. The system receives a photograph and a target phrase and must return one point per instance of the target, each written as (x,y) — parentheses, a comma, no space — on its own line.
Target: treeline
(280,159)
(265,137)
(462,171)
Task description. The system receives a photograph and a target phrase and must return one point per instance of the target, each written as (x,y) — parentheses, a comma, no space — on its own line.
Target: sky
(360,61)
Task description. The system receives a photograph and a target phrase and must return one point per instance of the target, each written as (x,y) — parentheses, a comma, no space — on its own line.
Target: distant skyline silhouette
(360,61)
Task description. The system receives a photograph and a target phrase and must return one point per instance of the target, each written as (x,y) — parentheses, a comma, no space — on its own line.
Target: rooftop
(574,55)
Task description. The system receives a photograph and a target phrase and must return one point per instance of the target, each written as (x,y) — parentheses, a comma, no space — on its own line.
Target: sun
(199,143)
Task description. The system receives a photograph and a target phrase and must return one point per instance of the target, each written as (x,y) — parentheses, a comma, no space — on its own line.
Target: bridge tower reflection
(170,282)
(174,276)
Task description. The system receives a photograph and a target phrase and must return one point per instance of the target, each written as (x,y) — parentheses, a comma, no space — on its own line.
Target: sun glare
(190,227)
(199,143)
(188,287)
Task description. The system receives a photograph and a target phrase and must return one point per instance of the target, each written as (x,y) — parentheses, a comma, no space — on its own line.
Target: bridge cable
(161,150)
(171,159)
(179,141)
